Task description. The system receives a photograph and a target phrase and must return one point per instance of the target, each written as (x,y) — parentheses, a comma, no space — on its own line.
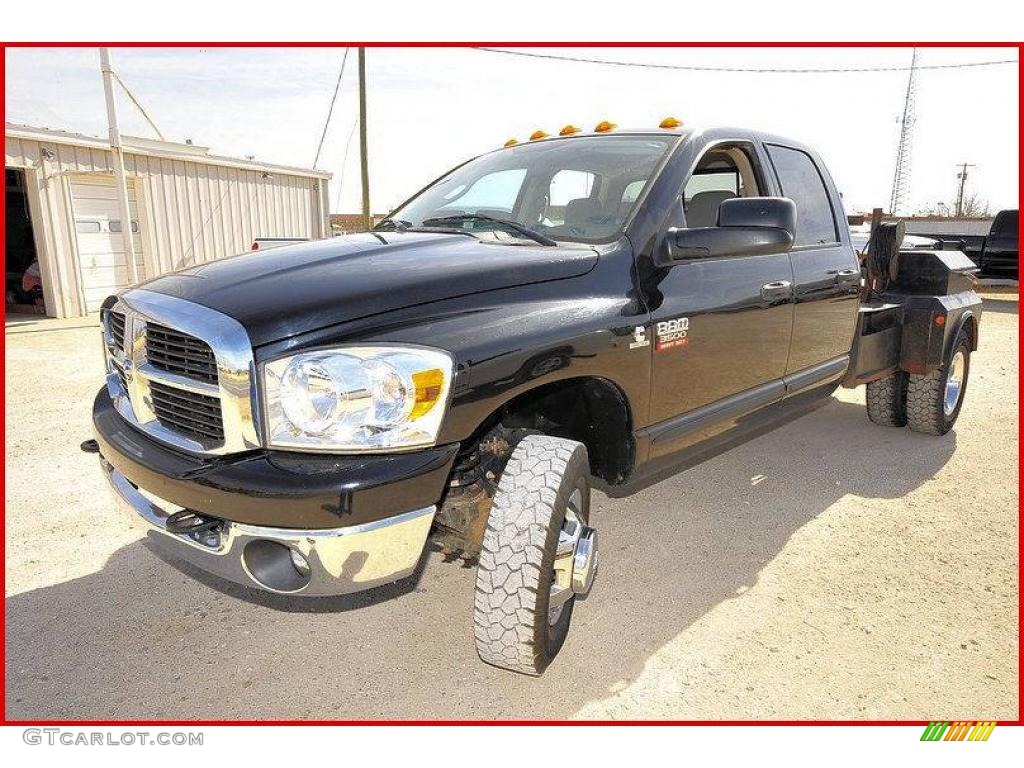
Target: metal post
(960,195)
(119,175)
(367,222)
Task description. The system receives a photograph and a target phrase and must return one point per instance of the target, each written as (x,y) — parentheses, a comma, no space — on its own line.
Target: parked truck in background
(999,253)
(589,310)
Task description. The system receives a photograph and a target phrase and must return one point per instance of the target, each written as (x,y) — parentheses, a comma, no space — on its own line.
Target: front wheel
(934,400)
(538,555)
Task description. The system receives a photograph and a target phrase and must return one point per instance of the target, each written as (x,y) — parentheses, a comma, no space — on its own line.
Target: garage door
(100,243)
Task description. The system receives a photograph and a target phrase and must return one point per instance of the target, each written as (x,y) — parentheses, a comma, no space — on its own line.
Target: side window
(724,172)
(495,192)
(802,183)
(114,225)
(632,191)
(712,181)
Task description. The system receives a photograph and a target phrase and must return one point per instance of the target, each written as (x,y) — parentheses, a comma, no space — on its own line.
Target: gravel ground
(829,569)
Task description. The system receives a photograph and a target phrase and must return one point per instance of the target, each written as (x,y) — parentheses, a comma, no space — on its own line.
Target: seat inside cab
(721,174)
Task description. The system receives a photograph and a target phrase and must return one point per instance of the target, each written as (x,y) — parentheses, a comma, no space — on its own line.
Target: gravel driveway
(829,569)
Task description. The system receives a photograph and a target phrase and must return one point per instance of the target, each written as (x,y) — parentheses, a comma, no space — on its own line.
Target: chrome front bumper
(283,560)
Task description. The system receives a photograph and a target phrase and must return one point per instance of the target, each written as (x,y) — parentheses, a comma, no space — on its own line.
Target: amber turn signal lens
(940,320)
(428,389)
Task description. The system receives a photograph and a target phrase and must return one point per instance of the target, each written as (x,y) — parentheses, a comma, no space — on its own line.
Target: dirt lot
(830,569)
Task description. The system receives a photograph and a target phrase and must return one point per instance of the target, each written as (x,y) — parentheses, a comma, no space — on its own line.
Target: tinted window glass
(802,184)
(562,188)
(495,192)
(632,191)
(566,186)
(715,181)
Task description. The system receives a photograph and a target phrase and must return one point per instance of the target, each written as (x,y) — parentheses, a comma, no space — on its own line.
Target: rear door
(826,273)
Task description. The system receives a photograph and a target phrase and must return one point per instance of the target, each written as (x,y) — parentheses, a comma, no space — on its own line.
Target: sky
(431,108)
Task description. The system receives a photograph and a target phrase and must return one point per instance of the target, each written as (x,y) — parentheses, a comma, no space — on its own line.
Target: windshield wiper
(398,225)
(515,226)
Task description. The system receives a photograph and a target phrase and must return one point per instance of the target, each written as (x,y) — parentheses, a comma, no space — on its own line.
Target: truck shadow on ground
(140,639)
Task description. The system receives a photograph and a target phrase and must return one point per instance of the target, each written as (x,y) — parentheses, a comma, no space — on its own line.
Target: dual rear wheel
(927,403)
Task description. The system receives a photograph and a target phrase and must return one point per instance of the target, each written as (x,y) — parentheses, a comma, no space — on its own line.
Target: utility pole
(120,181)
(367,221)
(901,177)
(962,176)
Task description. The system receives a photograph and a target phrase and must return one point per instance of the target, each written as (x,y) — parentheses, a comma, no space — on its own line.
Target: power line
(330,111)
(344,159)
(751,70)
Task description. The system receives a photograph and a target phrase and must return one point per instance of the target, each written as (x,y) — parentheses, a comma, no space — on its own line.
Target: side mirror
(747,226)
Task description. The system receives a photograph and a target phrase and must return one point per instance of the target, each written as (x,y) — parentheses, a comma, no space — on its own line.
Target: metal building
(188,207)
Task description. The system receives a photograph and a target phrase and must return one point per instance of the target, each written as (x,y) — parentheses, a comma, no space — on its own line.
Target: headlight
(356,398)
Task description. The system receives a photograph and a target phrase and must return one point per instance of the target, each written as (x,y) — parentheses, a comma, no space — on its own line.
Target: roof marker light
(511,142)
(569,130)
(605,126)
(538,135)
(670,123)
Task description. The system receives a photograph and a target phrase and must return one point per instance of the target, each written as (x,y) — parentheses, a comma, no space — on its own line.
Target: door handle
(776,289)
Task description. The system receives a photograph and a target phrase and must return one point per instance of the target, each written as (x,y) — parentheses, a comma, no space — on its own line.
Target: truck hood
(287,291)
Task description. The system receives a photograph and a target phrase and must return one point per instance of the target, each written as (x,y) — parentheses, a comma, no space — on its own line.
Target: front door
(720,327)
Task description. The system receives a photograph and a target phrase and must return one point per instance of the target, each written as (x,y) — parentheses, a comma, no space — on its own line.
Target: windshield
(577,189)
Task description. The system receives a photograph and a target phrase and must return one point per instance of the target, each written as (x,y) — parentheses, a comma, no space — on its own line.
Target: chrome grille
(119,369)
(115,321)
(188,412)
(181,372)
(177,352)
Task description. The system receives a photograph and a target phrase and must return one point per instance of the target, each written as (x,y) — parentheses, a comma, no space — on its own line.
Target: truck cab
(586,310)
(999,253)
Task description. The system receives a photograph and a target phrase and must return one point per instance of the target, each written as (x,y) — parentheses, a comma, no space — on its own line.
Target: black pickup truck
(595,309)
(999,253)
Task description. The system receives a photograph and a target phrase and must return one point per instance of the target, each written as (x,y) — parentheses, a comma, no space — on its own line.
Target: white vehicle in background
(266,243)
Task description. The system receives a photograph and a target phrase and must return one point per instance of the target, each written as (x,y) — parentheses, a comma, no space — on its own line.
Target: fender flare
(966,316)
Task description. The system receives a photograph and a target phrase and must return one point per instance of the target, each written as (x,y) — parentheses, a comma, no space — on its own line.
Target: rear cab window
(802,182)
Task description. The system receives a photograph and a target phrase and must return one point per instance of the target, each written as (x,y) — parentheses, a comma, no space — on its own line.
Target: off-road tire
(887,400)
(925,394)
(515,572)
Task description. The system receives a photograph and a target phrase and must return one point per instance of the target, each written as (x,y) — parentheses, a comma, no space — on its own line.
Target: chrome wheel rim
(954,382)
(568,536)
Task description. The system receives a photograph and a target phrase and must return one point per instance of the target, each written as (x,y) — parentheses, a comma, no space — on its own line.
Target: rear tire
(934,400)
(887,400)
(544,477)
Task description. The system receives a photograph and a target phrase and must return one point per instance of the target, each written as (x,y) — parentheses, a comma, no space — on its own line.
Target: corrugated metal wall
(190,211)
